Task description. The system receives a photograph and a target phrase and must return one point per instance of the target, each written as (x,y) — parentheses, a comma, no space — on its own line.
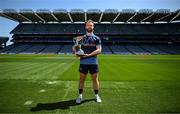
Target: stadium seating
(175,48)
(67,49)
(152,49)
(106,49)
(34,49)
(6,49)
(166,49)
(3,41)
(119,29)
(135,49)
(119,49)
(116,38)
(52,48)
(19,48)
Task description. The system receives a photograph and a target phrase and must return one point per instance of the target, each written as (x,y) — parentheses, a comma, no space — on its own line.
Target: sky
(7,25)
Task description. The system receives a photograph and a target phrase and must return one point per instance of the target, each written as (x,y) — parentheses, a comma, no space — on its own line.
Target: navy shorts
(91,68)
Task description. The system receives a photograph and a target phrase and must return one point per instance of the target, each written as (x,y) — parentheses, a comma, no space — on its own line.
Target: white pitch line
(28,102)
(42,90)
(51,82)
(67,90)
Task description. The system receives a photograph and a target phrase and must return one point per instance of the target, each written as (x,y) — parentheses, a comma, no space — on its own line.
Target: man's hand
(85,56)
(94,53)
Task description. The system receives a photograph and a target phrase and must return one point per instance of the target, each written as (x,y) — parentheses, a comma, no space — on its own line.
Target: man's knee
(82,77)
(94,77)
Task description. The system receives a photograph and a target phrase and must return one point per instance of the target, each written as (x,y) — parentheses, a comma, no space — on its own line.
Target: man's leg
(81,86)
(96,86)
(95,82)
(81,82)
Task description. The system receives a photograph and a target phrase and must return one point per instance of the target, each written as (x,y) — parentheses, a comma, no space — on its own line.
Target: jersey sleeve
(98,42)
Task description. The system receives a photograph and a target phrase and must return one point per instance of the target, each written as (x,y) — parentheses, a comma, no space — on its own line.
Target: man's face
(89,27)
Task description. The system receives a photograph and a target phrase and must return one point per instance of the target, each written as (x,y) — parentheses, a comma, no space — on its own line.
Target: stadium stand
(119,49)
(18,48)
(106,49)
(52,48)
(35,48)
(3,41)
(121,32)
(135,49)
(67,49)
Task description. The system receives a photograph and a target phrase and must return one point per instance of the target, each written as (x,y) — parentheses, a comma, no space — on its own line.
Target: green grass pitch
(129,84)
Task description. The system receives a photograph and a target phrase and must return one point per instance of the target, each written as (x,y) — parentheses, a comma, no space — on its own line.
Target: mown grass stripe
(20,71)
(34,73)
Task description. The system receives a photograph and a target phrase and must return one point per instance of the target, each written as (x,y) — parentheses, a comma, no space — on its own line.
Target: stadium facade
(122,32)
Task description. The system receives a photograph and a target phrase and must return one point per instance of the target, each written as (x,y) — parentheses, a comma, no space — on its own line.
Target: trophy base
(80,55)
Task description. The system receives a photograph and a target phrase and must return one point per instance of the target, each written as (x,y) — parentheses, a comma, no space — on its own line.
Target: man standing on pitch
(91,45)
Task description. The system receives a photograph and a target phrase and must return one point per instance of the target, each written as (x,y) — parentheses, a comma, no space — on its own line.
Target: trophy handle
(80,47)
(79,37)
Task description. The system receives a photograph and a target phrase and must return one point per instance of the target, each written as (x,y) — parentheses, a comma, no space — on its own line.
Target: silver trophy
(77,40)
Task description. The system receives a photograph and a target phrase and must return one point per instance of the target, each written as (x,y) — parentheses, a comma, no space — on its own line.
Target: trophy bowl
(77,40)
(80,53)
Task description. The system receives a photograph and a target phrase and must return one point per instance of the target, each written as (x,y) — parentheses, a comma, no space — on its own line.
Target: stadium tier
(121,32)
(3,41)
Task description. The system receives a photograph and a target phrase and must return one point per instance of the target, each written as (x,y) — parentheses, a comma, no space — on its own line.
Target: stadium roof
(79,15)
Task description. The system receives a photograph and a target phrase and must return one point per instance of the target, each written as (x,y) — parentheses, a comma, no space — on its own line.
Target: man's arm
(74,48)
(98,49)
(95,52)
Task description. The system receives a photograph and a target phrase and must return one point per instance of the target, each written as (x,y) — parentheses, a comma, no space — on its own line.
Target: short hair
(89,21)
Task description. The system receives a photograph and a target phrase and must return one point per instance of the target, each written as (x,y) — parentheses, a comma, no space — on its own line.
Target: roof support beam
(131,17)
(70,17)
(147,17)
(5,16)
(162,17)
(54,17)
(175,16)
(25,17)
(39,17)
(116,17)
(85,16)
(100,17)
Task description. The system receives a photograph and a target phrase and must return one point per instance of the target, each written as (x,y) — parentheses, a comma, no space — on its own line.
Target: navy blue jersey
(88,45)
